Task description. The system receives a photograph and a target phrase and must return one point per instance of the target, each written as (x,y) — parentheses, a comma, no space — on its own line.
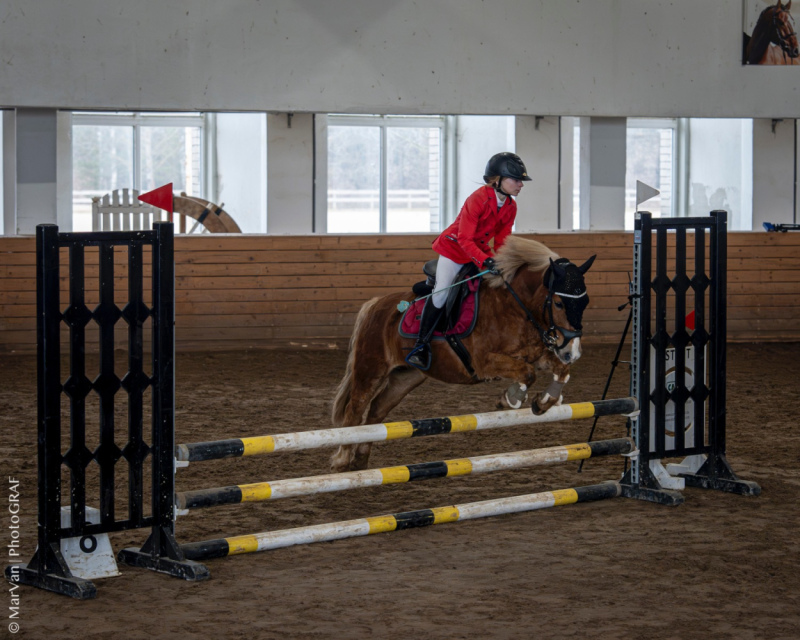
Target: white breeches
(446,271)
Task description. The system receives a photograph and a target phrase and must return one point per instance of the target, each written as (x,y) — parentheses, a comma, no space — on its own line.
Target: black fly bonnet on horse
(565,280)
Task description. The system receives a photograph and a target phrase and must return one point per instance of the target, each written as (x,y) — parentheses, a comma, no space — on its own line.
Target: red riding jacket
(467,239)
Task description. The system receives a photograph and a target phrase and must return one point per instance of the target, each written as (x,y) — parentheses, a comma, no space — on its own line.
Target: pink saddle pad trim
(410,322)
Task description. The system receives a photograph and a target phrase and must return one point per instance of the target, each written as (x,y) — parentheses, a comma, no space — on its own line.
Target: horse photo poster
(769,34)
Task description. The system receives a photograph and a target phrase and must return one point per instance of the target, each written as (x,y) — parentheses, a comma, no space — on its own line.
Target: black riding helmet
(506,165)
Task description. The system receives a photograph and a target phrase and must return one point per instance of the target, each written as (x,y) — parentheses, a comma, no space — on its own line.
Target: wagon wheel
(212,216)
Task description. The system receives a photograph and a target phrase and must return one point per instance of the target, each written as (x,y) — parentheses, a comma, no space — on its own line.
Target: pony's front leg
(551,396)
(498,365)
(514,397)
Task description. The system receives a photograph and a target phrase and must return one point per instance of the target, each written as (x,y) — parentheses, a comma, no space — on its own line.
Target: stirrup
(420,357)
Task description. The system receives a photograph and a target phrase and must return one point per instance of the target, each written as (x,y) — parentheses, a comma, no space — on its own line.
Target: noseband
(549,335)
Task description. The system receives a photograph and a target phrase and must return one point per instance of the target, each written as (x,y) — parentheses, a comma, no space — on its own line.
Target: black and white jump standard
(673,408)
(48,568)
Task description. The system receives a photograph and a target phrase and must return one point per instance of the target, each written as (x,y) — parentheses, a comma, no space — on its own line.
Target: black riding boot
(420,356)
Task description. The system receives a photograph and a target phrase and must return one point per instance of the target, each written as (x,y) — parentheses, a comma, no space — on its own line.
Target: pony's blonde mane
(518,252)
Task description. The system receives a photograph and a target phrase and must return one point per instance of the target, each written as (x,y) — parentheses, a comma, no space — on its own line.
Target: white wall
(36,169)
(64,170)
(773,172)
(241,167)
(602,179)
(535,57)
(9,172)
(290,197)
(537,142)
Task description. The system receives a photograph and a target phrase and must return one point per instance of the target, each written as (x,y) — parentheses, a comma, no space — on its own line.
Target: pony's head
(560,296)
(567,299)
(781,25)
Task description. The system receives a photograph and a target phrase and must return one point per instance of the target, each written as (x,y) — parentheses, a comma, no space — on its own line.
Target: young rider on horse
(488,213)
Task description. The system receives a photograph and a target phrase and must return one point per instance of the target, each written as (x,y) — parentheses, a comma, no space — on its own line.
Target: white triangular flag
(644,193)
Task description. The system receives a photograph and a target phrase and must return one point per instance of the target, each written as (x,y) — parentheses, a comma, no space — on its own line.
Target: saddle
(460,310)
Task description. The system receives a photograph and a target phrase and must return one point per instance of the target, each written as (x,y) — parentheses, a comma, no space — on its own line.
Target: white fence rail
(370,199)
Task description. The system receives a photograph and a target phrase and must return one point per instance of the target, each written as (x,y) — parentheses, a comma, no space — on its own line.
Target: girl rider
(488,213)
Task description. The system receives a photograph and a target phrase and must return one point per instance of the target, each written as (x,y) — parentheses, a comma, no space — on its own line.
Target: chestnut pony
(774,40)
(529,321)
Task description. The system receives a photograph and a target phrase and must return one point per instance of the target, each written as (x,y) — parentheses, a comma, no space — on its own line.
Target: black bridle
(549,335)
(780,38)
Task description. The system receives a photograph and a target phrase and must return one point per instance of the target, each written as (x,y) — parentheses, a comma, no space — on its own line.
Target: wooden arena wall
(241,292)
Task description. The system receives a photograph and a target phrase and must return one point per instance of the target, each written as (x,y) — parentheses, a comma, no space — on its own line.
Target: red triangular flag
(690,320)
(161,197)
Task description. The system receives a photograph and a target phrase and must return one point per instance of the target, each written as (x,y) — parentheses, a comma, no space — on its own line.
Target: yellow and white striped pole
(367,526)
(261,491)
(237,447)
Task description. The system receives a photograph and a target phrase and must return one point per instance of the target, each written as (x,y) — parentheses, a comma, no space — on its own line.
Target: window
(384,174)
(651,158)
(133,151)
(654,154)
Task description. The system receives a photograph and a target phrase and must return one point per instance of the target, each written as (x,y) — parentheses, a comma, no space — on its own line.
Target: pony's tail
(343,392)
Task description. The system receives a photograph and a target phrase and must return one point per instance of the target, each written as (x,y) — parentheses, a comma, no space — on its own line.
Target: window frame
(383,123)
(680,168)
(137,120)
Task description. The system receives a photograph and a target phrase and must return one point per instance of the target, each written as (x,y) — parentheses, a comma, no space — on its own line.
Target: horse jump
(705,464)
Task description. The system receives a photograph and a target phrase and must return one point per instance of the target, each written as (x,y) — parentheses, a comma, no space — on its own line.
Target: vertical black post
(719,301)
(77,387)
(136,382)
(699,337)
(639,481)
(163,442)
(680,339)
(716,472)
(644,333)
(47,569)
(660,341)
(107,384)
(48,327)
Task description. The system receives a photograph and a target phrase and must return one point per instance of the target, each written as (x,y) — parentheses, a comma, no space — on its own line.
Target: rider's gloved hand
(491,265)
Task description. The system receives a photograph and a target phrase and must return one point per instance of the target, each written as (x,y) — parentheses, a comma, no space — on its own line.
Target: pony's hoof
(516,394)
(537,410)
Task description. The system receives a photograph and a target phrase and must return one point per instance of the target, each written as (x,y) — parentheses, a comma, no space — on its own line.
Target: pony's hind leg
(362,392)
(399,383)
(342,458)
